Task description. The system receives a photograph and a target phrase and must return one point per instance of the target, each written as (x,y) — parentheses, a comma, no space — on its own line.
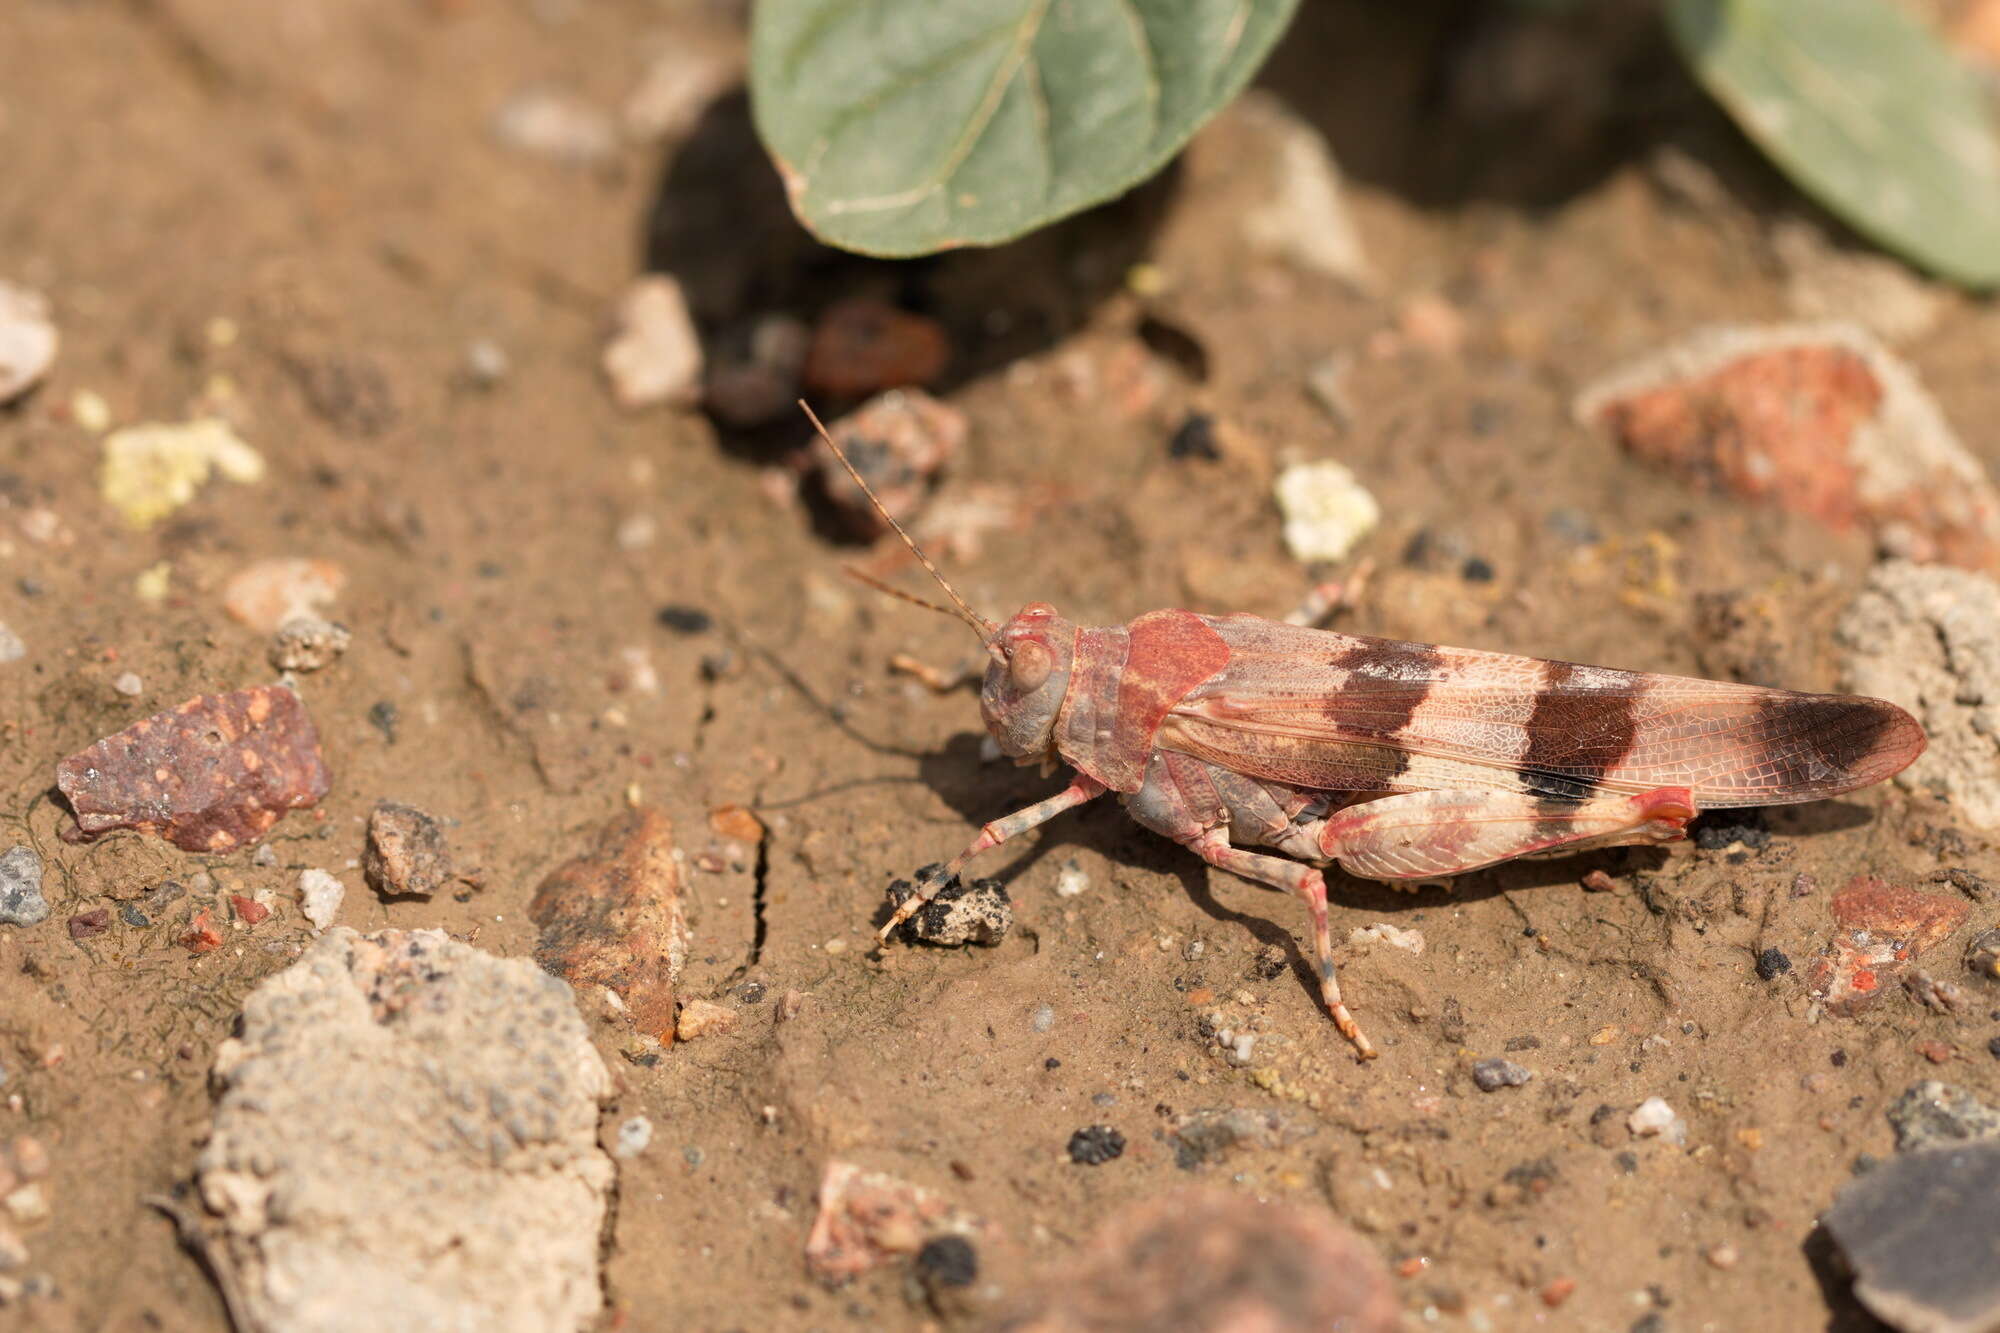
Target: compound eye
(1029,665)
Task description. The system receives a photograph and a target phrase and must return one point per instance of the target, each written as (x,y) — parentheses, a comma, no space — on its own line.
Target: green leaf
(907,126)
(1868,112)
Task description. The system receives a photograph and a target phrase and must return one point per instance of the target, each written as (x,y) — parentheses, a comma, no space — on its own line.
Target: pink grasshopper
(1404,762)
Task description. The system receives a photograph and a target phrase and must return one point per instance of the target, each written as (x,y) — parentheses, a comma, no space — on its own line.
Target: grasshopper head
(1024,686)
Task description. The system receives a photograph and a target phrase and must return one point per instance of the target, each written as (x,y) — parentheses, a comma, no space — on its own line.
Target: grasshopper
(1403,762)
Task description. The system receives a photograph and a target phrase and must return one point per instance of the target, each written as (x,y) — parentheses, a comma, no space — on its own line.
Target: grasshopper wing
(1342,712)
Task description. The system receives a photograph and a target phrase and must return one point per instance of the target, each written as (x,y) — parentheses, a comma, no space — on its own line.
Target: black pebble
(1477,570)
(1838,1059)
(383,716)
(1773,963)
(1628,1162)
(1094,1145)
(948,1261)
(1718,831)
(685,619)
(1052,1063)
(1195,438)
(1993,1048)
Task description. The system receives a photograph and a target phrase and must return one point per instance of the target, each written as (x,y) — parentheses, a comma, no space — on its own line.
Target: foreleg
(1309,886)
(1081,789)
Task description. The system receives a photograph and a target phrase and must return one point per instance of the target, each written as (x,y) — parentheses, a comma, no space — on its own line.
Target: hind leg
(1433,834)
(1309,886)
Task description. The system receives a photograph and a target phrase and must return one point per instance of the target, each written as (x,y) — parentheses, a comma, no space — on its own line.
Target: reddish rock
(406,854)
(87,925)
(868,1217)
(1819,419)
(863,346)
(201,935)
(898,442)
(612,917)
(248,910)
(1209,1259)
(733,821)
(209,776)
(1884,927)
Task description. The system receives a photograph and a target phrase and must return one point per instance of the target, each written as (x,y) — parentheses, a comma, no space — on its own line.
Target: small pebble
(1654,1118)
(1477,569)
(1493,1075)
(557,126)
(899,441)
(12,647)
(1326,510)
(1195,438)
(1772,963)
(1094,1145)
(406,854)
(307,643)
(89,925)
(1043,1018)
(486,363)
(655,357)
(948,1261)
(1722,1256)
(319,897)
(268,594)
(28,340)
(21,900)
(128,684)
(1071,881)
(634,1136)
(1597,882)
(704,1018)
(685,619)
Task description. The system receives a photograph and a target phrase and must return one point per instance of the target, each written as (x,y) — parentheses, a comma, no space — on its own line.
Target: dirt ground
(301,210)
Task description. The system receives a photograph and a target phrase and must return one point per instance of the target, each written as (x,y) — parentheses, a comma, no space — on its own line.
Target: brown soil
(323,176)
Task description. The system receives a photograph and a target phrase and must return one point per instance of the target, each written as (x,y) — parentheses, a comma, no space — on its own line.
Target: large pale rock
(407,1138)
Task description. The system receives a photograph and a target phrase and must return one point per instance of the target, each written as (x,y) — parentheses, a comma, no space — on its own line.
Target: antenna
(984,627)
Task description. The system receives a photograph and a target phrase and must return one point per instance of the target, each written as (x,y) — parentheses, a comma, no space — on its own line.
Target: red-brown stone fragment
(612,917)
(201,935)
(88,925)
(209,776)
(862,346)
(1819,419)
(1213,1260)
(1884,927)
(248,910)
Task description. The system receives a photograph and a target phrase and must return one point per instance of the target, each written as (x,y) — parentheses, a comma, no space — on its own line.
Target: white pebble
(1326,510)
(128,683)
(12,649)
(634,1136)
(1240,1049)
(555,125)
(486,362)
(1654,1118)
(655,357)
(27,340)
(1043,1018)
(319,897)
(1071,881)
(636,532)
